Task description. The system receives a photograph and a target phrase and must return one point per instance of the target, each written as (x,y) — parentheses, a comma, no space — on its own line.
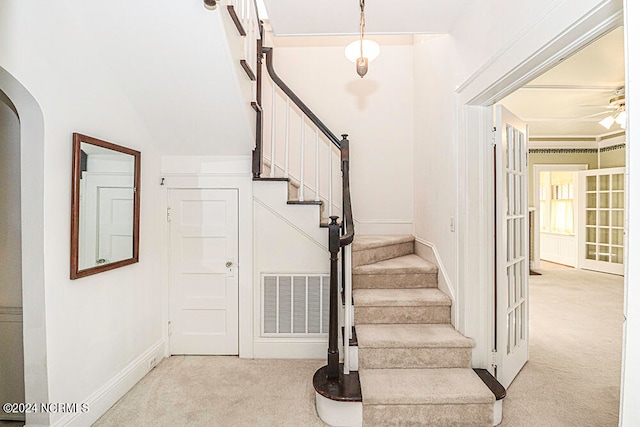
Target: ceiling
(570,99)
(342,17)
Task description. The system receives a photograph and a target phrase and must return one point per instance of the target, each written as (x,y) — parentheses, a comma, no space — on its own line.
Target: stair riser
(292,191)
(433,415)
(370,256)
(381,358)
(395,281)
(431,314)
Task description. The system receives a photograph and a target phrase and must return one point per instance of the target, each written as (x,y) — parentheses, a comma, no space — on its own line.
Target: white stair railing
(348,309)
(288,155)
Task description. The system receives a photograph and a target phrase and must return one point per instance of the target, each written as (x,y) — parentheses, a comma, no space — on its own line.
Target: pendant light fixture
(362,51)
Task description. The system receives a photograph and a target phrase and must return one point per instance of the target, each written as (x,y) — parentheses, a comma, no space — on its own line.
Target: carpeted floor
(573,374)
(572,378)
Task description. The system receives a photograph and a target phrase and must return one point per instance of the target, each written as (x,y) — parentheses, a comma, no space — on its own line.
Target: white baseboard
(106,396)
(282,349)
(428,251)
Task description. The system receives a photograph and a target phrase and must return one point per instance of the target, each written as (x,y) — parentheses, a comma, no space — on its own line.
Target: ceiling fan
(615,110)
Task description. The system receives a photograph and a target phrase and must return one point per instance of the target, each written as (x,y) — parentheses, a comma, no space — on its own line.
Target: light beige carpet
(573,374)
(220,391)
(572,378)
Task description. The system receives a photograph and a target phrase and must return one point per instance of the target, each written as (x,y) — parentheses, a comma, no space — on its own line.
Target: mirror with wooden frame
(105,206)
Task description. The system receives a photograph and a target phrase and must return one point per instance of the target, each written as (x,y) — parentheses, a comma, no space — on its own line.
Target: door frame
(36,374)
(242,183)
(504,73)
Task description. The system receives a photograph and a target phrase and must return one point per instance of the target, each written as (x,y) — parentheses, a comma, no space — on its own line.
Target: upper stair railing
(244,14)
(313,157)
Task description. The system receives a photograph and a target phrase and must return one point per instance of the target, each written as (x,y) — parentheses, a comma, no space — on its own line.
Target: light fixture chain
(361,28)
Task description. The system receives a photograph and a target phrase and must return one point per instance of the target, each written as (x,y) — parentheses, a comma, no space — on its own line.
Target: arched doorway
(31,174)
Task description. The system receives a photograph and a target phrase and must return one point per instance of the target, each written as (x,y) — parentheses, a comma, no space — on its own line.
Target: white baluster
(317,166)
(245,51)
(272,174)
(301,188)
(330,180)
(286,142)
(348,321)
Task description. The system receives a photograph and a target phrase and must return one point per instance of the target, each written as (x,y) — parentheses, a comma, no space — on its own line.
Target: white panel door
(115,225)
(203,289)
(602,220)
(103,205)
(512,246)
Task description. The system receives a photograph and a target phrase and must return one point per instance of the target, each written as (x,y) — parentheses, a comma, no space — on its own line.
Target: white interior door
(115,225)
(602,220)
(103,203)
(512,246)
(203,289)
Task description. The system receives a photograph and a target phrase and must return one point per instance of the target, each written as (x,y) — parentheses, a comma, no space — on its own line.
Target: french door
(602,222)
(512,245)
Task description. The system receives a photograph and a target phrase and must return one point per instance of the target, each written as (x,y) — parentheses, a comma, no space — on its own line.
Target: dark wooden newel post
(333,355)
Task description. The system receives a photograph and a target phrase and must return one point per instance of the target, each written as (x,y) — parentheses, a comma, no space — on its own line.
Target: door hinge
(494,358)
(493,136)
(169,327)
(168,214)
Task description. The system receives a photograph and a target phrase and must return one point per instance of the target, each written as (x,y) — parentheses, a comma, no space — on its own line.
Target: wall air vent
(295,304)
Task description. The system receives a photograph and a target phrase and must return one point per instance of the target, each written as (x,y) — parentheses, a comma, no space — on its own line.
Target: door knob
(228,264)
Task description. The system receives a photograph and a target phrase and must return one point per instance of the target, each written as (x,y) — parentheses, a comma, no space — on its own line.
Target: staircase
(403,362)
(414,367)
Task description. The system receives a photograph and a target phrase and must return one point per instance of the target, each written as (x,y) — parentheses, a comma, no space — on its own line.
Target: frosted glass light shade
(370,49)
(607,121)
(621,119)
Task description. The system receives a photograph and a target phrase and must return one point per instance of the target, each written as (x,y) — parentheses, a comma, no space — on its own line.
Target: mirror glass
(105,206)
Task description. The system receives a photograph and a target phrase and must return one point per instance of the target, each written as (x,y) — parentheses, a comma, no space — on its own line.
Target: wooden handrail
(337,239)
(347,214)
(268,51)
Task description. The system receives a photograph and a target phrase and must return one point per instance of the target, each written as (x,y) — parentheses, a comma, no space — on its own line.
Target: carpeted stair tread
(423,386)
(408,264)
(411,336)
(374,241)
(418,297)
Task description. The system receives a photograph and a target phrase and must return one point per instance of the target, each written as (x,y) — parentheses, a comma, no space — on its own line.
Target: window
(557,202)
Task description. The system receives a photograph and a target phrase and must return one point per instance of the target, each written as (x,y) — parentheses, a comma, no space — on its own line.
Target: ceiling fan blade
(596,114)
(608,107)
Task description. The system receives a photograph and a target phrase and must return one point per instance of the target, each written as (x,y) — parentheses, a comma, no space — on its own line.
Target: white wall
(630,410)
(376,112)
(435,154)
(168,86)
(301,248)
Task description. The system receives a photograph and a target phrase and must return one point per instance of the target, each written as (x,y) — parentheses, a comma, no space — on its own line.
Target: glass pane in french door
(604,219)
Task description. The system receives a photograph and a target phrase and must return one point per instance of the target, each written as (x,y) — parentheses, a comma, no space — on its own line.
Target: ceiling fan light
(370,50)
(607,122)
